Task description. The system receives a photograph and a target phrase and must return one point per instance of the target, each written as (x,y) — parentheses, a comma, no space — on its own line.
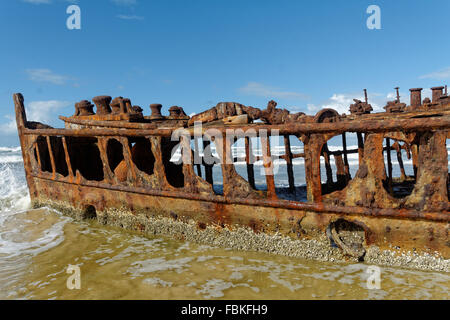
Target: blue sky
(194,53)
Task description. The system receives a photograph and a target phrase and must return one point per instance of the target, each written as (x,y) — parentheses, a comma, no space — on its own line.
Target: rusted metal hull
(136,211)
(121,173)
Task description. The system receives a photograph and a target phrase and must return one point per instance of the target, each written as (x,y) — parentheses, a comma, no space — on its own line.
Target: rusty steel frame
(361,199)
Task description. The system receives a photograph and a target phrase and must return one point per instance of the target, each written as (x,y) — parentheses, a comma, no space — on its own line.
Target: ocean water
(38,246)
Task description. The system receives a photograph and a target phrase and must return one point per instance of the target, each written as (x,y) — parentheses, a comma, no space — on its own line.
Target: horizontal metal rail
(404,125)
(443,216)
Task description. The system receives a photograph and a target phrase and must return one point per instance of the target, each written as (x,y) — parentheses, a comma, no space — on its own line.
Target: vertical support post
(107,172)
(227,163)
(66,153)
(249,159)
(389,163)
(188,168)
(52,158)
(313,146)
(268,167)
(340,170)
(38,154)
(360,147)
(208,167)
(329,172)
(159,170)
(21,121)
(197,157)
(290,171)
(131,173)
(346,165)
(400,163)
(415,158)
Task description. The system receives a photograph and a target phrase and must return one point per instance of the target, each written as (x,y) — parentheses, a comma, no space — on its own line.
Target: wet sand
(119,264)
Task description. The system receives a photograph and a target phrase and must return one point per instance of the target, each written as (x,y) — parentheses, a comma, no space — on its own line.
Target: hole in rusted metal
(89,213)
(202,225)
(197,151)
(239,161)
(44,155)
(142,155)
(114,151)
(212,167)
(59,156)
(339,161)
(207,164)
(85,157)
(173,163)
(259,172)
(218,179)
(116,160)
(289,172)
(399,169)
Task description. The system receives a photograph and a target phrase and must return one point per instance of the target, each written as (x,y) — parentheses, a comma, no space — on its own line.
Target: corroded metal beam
(440,216)
(405,125)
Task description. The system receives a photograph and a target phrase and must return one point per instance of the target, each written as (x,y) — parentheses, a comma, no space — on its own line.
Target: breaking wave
(24,233)
(13,188)
(10,155)
(9,149)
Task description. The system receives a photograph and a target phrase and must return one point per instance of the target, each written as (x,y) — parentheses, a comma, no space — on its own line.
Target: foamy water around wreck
(37,246)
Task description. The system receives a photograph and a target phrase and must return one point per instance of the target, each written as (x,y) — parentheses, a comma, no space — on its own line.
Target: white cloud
(426,93)
(44,111)
(261,90)
(40,111)
(9,127)
(46,75)
(125,2)
(341,102)
(129,17)
(437,75)
(295,108)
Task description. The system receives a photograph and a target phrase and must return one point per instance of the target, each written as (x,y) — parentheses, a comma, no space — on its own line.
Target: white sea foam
(9,149)
(10,155)
(13,189)
(10,159)
(21,231)
(17,241)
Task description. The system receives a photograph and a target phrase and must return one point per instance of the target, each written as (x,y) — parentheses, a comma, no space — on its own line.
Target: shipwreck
(117,165)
